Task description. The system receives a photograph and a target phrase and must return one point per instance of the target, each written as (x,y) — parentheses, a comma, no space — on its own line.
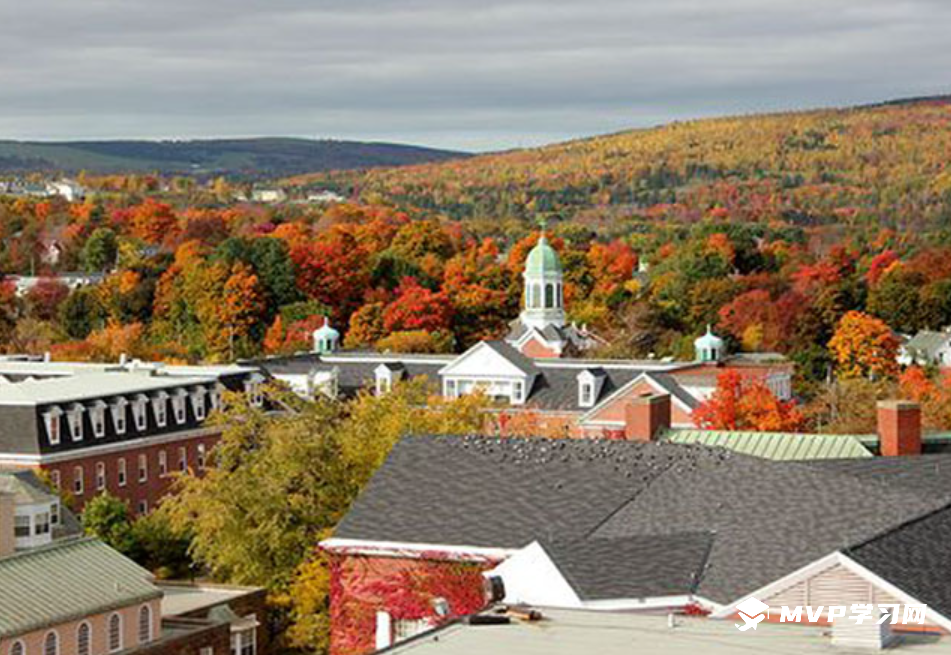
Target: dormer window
(178,405)
(75,419)
(254,390)
(590,382)
(117,410)
(386,375)
(138,411)
(198,402)
(97,416)
(216,397)
(53,425)
(518,392)
(160,408)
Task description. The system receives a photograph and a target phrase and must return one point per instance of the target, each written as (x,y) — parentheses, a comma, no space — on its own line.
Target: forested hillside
(243,157)
(885,165)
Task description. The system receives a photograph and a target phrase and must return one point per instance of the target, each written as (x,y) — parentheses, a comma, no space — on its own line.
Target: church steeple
(543,301)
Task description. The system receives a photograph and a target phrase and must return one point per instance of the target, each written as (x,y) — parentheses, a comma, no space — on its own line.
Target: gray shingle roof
(66,581)
(914,557)
(632,567)
(769,518)
(927,343)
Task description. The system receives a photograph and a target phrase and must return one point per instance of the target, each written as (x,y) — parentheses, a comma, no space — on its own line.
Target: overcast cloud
(472,74)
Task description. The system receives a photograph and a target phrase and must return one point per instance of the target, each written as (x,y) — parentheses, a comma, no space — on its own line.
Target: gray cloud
(453,73)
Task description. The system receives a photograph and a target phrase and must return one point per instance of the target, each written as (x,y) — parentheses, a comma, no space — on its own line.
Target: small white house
(268,195)
(927,348)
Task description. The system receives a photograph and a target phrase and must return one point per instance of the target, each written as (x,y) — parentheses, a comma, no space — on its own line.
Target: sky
(462,74)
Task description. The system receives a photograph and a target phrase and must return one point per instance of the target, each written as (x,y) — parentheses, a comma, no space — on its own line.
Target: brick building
(119,428)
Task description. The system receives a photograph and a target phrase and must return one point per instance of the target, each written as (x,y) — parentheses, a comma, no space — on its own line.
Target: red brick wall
(899,428)
(152,490)
(404,587)
(614,411)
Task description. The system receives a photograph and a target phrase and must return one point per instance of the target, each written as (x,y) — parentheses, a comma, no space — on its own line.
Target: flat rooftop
(570,632)
(182,599)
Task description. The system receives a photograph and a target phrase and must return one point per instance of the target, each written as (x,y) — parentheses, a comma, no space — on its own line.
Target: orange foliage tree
(739,404)
(864,346)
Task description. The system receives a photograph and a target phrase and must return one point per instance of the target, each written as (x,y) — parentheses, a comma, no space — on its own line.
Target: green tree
(107,518)
(101,250)
(81,313)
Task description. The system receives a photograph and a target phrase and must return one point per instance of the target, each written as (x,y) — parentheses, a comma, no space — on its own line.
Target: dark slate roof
(523,363)
(632,567)
(674,388)
(769,518)
(914,557)
(557,388)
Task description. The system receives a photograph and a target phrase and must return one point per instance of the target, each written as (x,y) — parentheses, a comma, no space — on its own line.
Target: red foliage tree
(739,404)
(417,308)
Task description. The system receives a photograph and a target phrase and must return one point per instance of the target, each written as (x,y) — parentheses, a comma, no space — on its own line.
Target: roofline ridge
(900,526)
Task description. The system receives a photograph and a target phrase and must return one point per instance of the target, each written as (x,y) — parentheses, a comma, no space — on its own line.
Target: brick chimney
(646,416)
(7,519)
(899,428)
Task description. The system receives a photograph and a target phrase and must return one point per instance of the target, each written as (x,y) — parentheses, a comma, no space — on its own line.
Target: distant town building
(533,369)
(268,195)
(68,189)
(927,348)
(324,197)
(74,281)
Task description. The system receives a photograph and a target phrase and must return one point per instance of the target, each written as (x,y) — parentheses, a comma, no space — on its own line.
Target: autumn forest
(823,236)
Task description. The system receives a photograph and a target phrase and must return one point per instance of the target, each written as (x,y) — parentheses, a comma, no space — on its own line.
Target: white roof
(90,385)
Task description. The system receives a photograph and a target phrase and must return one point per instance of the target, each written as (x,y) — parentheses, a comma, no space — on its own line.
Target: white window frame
(79,482)
(100,476)
(55,479)
(56,645)
(114,645)
(140,412)
(146,612)
(163,463)
(122,472)
(54,426)
(97,416)
(160,408)
(183,459)
(180,406)
(143,467)
(88,649)
(201,456)
(74,418)
(119,418)
(17,648)
(198,402)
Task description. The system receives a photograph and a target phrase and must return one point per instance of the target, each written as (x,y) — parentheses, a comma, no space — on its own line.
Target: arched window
(83,636)
(51,644)
(537,299)
(145,624)
(115,633)
(17,648)
(549,295)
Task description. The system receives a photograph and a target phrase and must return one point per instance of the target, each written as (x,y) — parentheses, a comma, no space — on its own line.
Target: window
(75,420)
(115,633)
(121,475)
(178,406)
(143,467)
(207,650)
(160,407)
(518,392)
(537,300)
(145,624)
(97,415)
(143,507)
(587,394)
(83,639)
(54,478)
(198,403)
(162,463)
(100,476)
(549,295)
(243,642)
(51,644)
(17,648)
(255,393)
(216,397)
(52,419)
(138,412)
(41,523)
(450,388)
(78,480)
(201,457)
(54,512)
(183,459)
(118,415)
(21,527)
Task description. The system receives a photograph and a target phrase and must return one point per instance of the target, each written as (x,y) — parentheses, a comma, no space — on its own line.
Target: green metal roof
(66,581)
(542,260)
(776,445)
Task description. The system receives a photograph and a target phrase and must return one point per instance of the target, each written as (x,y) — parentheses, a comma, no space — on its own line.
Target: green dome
(542,260)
